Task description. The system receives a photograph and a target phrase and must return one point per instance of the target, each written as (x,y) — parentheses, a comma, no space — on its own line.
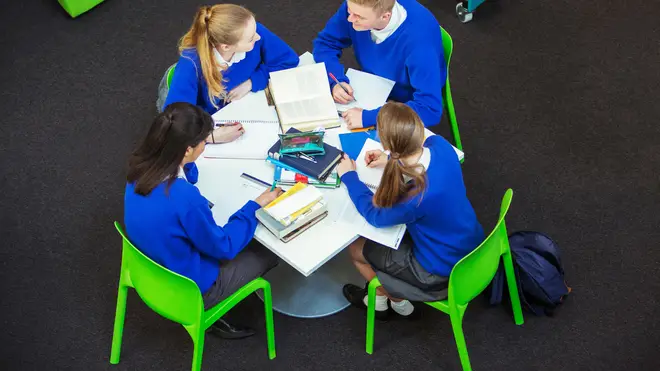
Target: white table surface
(293,294)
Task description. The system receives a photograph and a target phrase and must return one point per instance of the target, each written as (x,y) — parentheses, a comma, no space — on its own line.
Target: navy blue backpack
(539,273)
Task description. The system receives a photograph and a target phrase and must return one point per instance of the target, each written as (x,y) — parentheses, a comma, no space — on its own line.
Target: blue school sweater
(412,56)
(269,54)
(443,227)
(176,229)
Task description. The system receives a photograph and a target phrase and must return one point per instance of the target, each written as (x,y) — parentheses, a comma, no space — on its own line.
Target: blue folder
(352,143)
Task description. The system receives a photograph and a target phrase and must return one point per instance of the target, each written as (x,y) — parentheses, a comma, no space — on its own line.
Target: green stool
(78,7)
(177,298)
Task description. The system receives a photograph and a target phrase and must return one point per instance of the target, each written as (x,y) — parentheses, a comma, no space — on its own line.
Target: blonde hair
(212,26)
(401,131)
(378,5)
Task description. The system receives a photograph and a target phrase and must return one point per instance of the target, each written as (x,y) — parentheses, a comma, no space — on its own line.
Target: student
(170,221)
(422,187)
(399,40)
(225,55)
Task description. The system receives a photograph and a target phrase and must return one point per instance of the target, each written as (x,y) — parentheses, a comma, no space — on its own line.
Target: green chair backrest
(448,46)
(170,74)
(472,274)
(169,294)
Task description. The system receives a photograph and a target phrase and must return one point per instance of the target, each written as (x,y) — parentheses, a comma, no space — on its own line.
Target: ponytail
(402,132)
(212,26)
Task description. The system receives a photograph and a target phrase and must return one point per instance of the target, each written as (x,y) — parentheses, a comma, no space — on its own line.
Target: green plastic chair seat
(78,7)
(178,299)
(469,277)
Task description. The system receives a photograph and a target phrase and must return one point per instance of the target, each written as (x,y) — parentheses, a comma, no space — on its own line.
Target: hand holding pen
(342,92)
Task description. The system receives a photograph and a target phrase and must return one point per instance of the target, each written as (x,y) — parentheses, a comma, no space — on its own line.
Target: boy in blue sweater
(396,39)
(225,55)
(422,187)
(171,222)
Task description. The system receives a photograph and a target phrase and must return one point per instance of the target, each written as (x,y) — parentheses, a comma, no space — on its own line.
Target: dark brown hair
(402,133)
(159,155)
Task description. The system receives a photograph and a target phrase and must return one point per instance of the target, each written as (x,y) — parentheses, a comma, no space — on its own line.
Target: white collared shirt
(237,57)
(399,15)
(424,160)
(182,174)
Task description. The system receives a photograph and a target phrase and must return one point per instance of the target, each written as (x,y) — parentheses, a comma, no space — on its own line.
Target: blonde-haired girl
(224,55)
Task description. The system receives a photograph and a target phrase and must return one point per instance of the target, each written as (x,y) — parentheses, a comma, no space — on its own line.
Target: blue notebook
(352,143)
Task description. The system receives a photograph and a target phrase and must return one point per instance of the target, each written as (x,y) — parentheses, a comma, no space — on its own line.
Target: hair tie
(207,14)
(395,156)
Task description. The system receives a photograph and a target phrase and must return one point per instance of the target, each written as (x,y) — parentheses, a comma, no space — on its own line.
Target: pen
(306,157)
(256,180)
(340,85)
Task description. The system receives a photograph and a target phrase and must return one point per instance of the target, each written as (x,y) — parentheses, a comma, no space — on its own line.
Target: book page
(313,109)
(301,94)
(299,83)
(253,144)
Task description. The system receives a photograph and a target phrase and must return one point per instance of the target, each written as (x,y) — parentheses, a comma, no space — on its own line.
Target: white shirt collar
(237,57)
(182,174)
(399,15)
(424,160)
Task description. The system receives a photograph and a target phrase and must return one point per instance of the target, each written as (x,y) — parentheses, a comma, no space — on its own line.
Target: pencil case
(310,143)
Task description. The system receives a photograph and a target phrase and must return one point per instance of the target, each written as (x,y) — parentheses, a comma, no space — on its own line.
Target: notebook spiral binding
(246,121)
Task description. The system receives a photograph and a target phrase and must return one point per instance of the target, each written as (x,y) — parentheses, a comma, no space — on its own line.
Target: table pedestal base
(318,295)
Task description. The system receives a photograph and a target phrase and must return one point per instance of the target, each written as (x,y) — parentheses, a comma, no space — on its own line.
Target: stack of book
(293,212)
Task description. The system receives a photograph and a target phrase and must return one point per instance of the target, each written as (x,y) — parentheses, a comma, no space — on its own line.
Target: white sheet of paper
(370,91)
(253,144)
(389,236)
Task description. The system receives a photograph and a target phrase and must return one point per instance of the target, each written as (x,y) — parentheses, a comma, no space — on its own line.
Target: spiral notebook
(260,123)
(369,176)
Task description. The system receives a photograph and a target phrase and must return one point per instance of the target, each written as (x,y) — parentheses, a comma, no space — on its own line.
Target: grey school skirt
(401,274)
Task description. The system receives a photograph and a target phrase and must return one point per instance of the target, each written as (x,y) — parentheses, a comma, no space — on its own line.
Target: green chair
(448,102)
(470,276)
(78,7)
(177,298)
(170,74)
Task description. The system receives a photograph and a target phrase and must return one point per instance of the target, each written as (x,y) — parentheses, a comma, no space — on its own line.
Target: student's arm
(362,197)
(427,80)
(222,243)
(184,83)
(275,55)
(330,42)
(191,172)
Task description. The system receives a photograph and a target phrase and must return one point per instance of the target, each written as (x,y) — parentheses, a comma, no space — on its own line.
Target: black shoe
(355,295)
(416,313)
(226,330)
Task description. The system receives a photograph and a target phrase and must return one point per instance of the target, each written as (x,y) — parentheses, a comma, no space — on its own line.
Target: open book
(302,98)
(370,91)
